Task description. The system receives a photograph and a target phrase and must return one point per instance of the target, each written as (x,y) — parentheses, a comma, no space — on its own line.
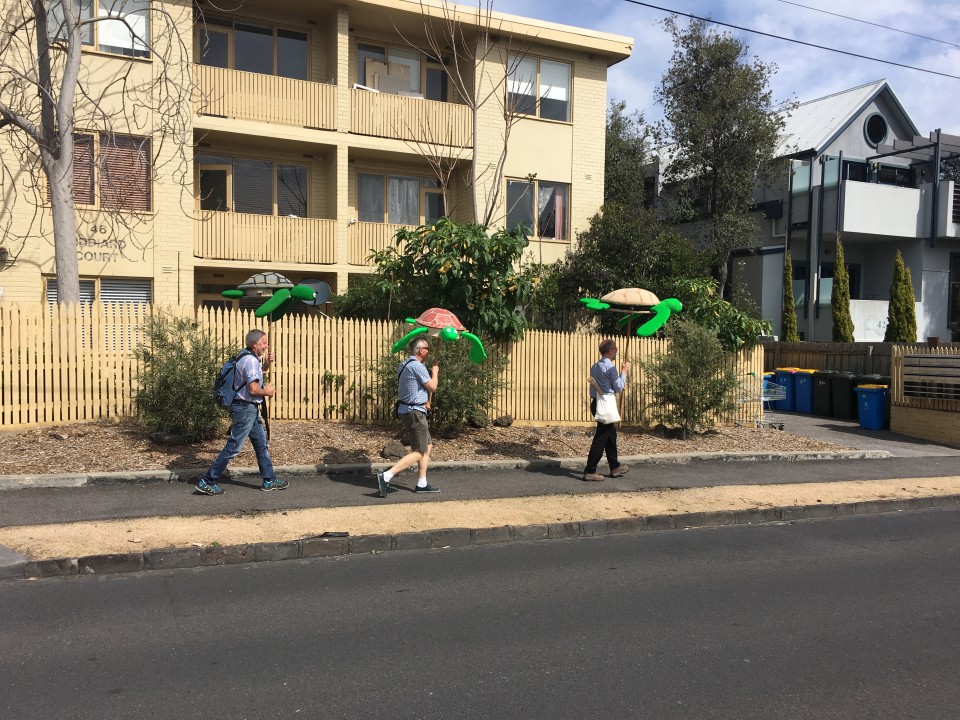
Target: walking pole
(264,407)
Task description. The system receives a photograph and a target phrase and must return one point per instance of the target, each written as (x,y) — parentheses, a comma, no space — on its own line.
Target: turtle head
(448,333)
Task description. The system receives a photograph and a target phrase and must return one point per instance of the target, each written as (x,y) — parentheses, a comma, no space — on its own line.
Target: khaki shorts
(415,423)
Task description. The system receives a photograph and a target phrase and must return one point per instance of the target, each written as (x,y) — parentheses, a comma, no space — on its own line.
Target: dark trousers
(604,440)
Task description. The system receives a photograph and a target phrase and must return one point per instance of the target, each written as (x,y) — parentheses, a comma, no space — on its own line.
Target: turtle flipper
(398,345)
(594,304)
(477,353)
(275,302)
(661,313)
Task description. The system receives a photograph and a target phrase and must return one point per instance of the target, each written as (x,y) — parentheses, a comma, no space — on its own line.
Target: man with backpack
(247,391)
(414,385)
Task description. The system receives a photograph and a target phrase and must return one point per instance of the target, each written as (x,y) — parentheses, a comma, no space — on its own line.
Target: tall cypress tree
(788,321)
(840,299)
(901,311)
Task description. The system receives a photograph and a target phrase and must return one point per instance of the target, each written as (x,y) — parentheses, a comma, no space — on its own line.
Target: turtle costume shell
(442,324)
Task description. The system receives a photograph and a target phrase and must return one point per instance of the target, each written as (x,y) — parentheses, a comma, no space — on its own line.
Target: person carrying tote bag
(605,382)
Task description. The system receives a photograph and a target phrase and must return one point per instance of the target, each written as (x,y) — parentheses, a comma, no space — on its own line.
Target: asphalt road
(850,619)
(127,500)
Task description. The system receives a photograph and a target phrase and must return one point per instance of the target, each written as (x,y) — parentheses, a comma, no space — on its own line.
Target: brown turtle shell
(439,318)
(633,297)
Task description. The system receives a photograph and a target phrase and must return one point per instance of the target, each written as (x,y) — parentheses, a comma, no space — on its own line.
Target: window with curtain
(253,186)
(539,87)
(370,197)
(403,200)
(398,199)
(123,27)
(540,206)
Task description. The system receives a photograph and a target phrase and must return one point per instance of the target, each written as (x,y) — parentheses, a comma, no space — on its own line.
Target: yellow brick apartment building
(313,130)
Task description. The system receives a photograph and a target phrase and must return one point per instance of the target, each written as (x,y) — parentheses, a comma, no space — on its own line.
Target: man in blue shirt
(414,385)
(245,417)
(606,380)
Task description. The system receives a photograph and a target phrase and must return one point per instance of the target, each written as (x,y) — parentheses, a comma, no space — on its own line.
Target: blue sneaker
(209,487)
(274,484)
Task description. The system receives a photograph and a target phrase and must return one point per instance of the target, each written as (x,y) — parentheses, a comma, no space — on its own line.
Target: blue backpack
(224,387)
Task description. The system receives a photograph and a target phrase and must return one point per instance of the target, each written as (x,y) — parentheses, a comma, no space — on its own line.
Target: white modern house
(859,170)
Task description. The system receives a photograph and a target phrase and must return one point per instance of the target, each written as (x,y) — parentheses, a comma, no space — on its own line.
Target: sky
(803,73)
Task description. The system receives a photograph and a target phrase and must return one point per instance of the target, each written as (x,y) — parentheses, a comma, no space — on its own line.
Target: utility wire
(867,22)
(793,40)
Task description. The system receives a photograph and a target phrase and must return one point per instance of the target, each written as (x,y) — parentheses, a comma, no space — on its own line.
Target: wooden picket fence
(61,364)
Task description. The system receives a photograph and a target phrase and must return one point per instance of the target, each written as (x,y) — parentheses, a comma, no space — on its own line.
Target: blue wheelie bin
(871,401)
(804,392)
(785,377)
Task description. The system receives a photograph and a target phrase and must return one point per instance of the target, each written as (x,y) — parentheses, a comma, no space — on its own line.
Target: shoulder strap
(403,366)
(236,359)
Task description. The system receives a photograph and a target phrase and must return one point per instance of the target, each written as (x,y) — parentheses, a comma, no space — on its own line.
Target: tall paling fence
(925,377)
(75,363)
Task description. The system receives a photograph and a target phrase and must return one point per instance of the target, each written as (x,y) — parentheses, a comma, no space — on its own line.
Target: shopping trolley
(762,393)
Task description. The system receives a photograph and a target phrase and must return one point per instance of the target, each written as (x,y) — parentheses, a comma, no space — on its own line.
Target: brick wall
(936,425)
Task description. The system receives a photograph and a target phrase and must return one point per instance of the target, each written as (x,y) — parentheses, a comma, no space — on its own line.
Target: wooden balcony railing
(265,98)
(368,236)
(406,118)
(265,238)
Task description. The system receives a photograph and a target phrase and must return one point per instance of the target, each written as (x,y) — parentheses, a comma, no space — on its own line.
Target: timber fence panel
(69,363)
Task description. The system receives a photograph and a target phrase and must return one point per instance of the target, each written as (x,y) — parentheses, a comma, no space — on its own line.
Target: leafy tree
(901,310)
(179,364)
(721,122)
(693,382)
(367,299)
(625,247)
(462,268)
(732,327)
(789,321)
(626,159)
(840,299)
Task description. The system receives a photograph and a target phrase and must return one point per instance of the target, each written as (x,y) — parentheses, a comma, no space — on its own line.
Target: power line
(793,40)
(867,22)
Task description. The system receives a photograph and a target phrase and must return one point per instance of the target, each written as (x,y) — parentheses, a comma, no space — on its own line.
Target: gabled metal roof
(815,123)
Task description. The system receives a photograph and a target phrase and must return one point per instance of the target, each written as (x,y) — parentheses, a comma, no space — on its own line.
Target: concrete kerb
(319,547)
(20,482)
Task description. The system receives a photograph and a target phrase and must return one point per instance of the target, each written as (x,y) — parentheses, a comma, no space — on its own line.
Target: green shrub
(693,382)
(840,299)
(902,310)
(788,327)
(466,391)
(179,363)
(702,303)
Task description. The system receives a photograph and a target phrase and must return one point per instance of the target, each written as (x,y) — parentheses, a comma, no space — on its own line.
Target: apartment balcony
(243,95)
(265,238)
(366,237)
(429,122)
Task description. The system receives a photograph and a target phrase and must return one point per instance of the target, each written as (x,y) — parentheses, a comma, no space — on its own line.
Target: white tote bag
(607,411)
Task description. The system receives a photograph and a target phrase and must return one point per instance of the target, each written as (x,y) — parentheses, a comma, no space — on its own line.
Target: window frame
(230,169)
(513,64)
(93,21)
(535,184)
(207,26)
(427,62)
(96,173)
(97,283)
(424,189)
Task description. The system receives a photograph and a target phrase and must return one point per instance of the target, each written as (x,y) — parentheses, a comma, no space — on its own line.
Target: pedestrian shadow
(514,450)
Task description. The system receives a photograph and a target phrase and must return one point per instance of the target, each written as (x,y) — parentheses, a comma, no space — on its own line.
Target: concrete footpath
(118,522)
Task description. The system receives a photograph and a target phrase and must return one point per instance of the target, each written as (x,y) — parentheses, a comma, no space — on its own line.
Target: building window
(875,129)
(540,207)
(398,199)
(400,70)
(121,27)
(826,282)
(111,171)
(252,47)
(953,313)
(538,87)
(107,290)
(257,187)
